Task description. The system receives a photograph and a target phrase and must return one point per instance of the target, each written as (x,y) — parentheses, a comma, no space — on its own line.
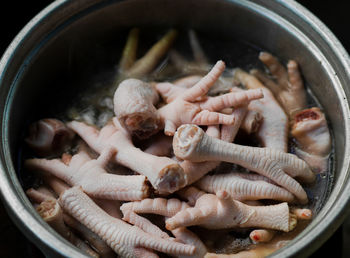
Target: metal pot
(40,55)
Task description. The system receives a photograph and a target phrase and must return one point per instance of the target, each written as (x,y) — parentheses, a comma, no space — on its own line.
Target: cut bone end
(49,136)
(292,221)
(186,139)
(171,178)
(170,224)
(49,210)
(142,125)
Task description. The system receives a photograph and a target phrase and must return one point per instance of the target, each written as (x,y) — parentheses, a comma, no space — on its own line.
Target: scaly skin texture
(190,142)
(196,170)
(52,213)
(91,175)
(273,131)
(115,232)
(288,88)
(159,206)
(48,137)
(188,237)
(112,207)
(103,249)
(192,106)
(43,194)
(242,189)
(313,139)
(164,174)
(220,212)
(134,107)
(134,219)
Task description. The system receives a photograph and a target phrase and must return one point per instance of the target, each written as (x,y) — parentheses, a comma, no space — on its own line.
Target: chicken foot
(191,143)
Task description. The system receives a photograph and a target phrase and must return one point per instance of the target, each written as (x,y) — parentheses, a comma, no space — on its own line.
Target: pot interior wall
(76,49)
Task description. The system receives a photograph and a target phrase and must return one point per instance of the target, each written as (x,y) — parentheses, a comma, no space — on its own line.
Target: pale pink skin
(220,212)
(196,170)
(313,139)
(187,81)
(38,196)
(161,145)
(164,174)
(188,237)
(192,194)
(170,92)
(165,208)
(52,213)
(59,186)
(91,175)
(265,235)
(221,86)
(243,189)
(288,88)
(134,219)
(160,206)
(191,143)
(43,194)
(192,106)
(49,137)
(252,122)
(117,234)
(134,107)
(273,131)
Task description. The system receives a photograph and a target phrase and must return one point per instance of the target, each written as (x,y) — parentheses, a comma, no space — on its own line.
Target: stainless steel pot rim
(331,216)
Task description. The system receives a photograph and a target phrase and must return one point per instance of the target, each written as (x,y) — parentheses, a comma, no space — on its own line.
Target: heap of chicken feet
(156,135)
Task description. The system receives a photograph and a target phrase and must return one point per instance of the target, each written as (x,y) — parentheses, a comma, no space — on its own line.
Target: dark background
(14,16)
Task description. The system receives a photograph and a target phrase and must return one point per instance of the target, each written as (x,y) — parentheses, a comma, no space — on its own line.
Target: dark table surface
(14,15)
